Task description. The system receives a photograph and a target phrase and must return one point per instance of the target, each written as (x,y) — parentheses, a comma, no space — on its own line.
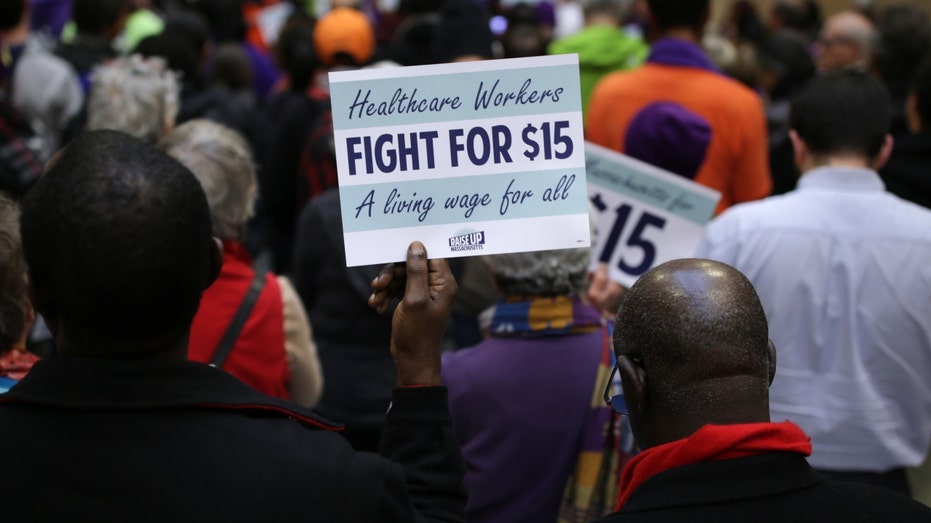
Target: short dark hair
(921,87)
(904,39)
(12,276)
(844,112)
(177,51)
(11,12)
(93,17)
(296,54)
(671,14)
(117,236)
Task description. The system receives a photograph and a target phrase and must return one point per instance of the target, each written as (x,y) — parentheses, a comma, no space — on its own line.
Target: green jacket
(602,49)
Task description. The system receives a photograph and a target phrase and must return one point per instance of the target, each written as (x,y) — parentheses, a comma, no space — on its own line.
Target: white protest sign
(646,216)
(469,158)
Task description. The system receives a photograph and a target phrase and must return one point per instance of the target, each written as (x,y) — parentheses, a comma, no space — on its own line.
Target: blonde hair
(221,160)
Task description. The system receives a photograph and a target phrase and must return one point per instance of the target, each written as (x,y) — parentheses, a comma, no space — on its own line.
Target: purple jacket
(519,407)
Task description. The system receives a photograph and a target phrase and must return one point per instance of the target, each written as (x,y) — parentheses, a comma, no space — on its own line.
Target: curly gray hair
(541,273)
(135,95)
(221,160)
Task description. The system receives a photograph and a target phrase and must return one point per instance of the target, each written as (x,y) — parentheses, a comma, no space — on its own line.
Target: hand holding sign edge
(419,321)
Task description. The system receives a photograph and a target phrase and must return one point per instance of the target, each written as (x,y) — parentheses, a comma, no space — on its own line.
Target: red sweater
(258,356)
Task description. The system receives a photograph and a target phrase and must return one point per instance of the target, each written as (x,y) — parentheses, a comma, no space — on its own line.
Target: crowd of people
(180,337)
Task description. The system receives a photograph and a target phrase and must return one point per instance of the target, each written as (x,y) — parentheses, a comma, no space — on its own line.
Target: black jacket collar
(724,481)
(152,383)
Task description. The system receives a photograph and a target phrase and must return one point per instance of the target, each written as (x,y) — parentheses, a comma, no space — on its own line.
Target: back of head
(190,26)
(220,159)
(134,95)
(463,32)
(802,16)
(540,273)
(12,277)
(231,67)
(785,56)
(224,18)
(679,14)
(11,13)
(701,332)
(842,113)
(295,53)
(611,9)
(117,238)
(178,52)
(99,17)
(904,39)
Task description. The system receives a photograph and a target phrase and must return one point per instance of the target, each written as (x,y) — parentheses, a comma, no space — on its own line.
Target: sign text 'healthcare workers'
(469,158)
(645,215)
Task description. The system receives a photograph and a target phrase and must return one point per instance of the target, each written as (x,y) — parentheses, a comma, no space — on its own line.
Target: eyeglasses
(831,41)
(617,400)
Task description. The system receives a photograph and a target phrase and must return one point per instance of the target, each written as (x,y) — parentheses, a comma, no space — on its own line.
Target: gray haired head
(541,273)
(135,95)
(221,160)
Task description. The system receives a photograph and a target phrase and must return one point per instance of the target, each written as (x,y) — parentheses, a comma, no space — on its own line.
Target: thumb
(417,289)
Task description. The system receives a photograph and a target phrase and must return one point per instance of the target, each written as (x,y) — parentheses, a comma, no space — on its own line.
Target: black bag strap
(239,320)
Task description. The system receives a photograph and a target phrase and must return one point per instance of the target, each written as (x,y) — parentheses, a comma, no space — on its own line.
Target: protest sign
(470,158)
(646,216)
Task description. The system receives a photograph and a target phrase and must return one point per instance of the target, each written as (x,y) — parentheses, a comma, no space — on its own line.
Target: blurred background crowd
(170,71)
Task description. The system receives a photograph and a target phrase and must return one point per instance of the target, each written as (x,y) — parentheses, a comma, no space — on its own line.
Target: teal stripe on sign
(467,87)
(681,201)
(410,200)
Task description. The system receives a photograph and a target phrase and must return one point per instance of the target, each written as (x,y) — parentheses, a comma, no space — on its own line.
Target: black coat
(776,487)
(908,172)
(97,440)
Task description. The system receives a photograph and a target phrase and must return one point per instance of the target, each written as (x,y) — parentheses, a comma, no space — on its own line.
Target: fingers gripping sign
(420,319)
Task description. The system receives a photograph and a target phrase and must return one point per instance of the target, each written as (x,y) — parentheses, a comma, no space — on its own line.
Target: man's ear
(884,153)
(216,261)
(634,382)
(799,150)
(772,361)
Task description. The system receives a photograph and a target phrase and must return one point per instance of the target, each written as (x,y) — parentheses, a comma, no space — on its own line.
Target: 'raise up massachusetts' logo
(474,241)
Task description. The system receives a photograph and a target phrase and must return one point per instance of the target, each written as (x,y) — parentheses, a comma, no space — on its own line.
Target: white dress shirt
(843,270)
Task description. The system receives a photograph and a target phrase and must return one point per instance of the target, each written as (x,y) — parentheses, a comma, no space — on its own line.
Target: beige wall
(828,6)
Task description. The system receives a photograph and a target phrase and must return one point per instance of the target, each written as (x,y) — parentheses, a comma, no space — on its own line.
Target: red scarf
(712,443)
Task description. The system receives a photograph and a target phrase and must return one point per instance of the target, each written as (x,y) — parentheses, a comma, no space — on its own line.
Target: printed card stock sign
(470,158)
(645,216)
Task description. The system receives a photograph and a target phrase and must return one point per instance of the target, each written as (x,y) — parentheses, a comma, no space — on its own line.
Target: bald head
(694,340)
(846,41)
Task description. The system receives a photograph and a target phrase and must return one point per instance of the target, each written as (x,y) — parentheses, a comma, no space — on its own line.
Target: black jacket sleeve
(429,468)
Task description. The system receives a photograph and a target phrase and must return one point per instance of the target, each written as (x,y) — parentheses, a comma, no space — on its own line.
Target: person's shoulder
(908,208)
(624,78)
(39,59)
(863,502)
(455,361)
(768,209)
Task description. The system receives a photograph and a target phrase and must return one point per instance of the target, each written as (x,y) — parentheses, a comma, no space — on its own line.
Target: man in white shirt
(843,270)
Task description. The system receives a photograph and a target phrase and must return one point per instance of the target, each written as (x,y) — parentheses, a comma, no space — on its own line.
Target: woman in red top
(273,352)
